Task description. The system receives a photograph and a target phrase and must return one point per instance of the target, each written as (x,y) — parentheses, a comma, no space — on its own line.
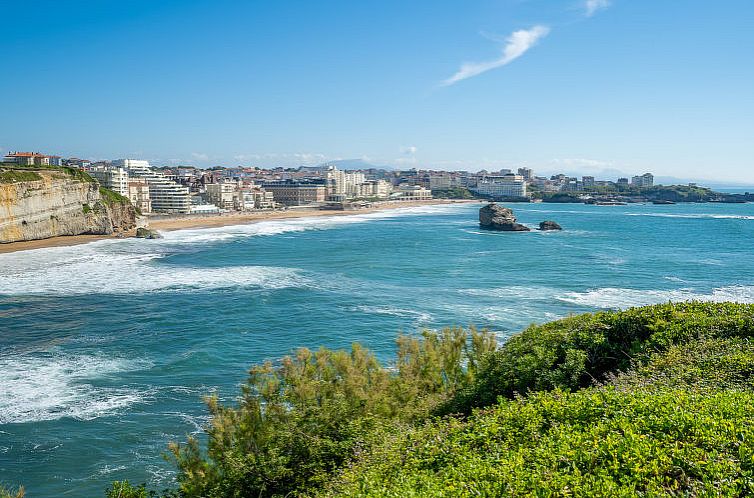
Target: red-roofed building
(28,158)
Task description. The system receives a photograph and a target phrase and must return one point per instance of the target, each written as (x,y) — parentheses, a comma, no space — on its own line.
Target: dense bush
(299,421)
(578,351)
(6,493)
(596,442)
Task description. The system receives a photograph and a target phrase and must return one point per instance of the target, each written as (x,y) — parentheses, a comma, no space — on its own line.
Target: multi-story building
(114,178)
(622,181)
(645,180)
(344,182)
(166,196)
(138,192)
(297,193)
(379,189)
(527,173)
(588,181)
(27,159)
(440,181)
(76,162)
(502,186)
(256,198)
(223,195)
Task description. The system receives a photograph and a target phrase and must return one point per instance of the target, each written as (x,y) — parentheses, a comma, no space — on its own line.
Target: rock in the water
(146,233)
(549,225)
(494,217)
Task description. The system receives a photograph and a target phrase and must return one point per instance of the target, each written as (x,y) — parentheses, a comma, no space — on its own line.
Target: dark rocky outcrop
(146,233)
(494,217)
(549,225)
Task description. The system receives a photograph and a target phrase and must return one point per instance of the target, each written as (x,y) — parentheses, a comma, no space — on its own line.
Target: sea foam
(617,298)
(49,386)
(136,266)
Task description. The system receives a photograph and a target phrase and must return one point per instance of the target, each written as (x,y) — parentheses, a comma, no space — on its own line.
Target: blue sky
(574,85)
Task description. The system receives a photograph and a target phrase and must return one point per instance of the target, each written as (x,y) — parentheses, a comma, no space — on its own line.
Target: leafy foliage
(6,493)
(453,193)
(596,442)
(578,351)
(678,424)
(299,421)
(124,489)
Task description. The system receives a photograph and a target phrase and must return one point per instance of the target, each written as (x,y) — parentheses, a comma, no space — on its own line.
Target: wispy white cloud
(200,156)
(592,6)
(516,45)
(409,151)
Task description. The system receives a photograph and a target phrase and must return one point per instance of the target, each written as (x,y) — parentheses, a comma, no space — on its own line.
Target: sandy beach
(220,220)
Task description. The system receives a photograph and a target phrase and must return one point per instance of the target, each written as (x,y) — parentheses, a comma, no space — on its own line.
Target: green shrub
(298,422)
(596,442)
(579,351)
(124,489)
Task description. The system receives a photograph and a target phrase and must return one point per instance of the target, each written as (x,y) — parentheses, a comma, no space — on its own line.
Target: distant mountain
(353,164)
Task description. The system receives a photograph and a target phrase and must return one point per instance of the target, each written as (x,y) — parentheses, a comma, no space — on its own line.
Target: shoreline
(172,223)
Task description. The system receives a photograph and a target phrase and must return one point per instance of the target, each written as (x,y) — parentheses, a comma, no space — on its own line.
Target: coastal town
(187,190)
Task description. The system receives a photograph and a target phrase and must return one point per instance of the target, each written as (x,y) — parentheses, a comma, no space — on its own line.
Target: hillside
(38,203)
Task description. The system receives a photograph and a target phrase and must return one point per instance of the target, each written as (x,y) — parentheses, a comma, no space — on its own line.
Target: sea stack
(494,217)
(146,233)
(549,225)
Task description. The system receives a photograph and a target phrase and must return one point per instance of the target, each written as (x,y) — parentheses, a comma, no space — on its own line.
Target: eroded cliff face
(58,204)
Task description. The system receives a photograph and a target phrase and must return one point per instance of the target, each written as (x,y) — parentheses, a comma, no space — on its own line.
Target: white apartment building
(256,198)
(166,195)
(645,180)
(505,186)
(344,182)
(379,189)
(222,195)
(113,177)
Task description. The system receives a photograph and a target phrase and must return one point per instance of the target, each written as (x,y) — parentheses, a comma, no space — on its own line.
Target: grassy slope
(679,422)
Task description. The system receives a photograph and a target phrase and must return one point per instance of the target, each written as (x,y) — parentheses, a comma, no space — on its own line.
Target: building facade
(223,195)
(114,178)
(344,182)
(297,193)
(27,159)
(502,186)
(412,193)
(138,192)
(166,196)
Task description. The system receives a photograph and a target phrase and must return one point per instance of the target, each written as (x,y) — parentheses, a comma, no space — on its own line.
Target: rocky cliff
(51,202)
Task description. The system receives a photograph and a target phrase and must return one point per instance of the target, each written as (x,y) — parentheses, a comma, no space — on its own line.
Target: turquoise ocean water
(107,348)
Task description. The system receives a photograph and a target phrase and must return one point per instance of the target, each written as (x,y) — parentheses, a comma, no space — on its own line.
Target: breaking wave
(615,298)
(49,386)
